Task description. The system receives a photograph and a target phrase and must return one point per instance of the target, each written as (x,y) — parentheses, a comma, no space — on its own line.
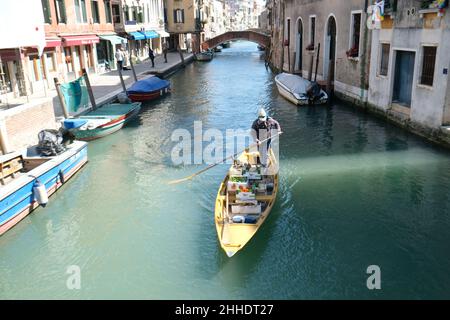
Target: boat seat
(11,167)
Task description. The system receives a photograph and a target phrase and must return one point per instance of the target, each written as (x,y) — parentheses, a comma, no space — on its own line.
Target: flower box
(352,53)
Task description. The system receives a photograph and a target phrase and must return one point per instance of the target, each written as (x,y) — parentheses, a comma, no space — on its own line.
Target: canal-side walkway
(107,86)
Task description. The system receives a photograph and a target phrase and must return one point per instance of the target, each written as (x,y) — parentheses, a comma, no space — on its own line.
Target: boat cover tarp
(148,85)
(75,95)
(294,83)
(73,123)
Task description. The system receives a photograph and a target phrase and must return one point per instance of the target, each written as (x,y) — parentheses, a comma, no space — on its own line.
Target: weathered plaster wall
(351,75)
(427,107)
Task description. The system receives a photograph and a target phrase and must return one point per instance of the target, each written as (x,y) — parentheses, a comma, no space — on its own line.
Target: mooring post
(89,88)
(330,76)
(121,80)
(132,68)
(181,55)
(317,61)
(61,98)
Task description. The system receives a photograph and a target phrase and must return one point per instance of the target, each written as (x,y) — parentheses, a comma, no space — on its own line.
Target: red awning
(52,42)
(10,55)
(69,41)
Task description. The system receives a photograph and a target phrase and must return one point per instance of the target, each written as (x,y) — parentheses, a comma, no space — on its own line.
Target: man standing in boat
(263,129)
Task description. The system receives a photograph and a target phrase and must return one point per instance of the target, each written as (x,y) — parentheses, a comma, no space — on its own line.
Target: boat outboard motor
(123,98)
(313,91)
(50,142)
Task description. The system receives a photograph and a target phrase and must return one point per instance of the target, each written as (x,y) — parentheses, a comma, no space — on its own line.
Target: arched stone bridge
(254,35)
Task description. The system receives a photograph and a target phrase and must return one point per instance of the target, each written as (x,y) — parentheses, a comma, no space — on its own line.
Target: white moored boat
(295,89)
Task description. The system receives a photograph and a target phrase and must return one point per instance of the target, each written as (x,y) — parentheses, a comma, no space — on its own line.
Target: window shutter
(182,15)
(175,16)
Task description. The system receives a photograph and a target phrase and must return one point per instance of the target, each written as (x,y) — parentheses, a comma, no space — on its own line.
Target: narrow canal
(355,192)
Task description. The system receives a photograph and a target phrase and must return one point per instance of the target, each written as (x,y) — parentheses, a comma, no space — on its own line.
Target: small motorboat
(226,45)
(261,48)
(95,122)
(204,56)
(300,91)
(102,121)
(218,49)
(148,89)
(245,200)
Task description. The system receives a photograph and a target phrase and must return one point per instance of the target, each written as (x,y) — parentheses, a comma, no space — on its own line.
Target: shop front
(43,69)
(79,54)
(106,49)
(163,37)
(12,80)
(137,41)
(153,40)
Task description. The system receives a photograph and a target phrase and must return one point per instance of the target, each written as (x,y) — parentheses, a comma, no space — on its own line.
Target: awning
(137,35)
(163,34)
(52,42)
(77,40)
(9,54)
(113,39)
(150,34)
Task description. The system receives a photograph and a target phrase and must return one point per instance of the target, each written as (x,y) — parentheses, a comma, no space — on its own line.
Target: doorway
(403,80)
(330,49)
(298,47)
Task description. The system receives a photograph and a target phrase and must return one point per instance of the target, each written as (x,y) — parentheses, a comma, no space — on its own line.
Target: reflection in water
(354,191)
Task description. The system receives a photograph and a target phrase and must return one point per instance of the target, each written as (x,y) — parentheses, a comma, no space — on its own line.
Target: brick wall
(23,123)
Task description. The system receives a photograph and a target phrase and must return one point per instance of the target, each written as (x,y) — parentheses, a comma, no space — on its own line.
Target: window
(428,65)
(126,12)
(108,11)
(178,15)
(312,35)
(95,12)
(116,13)
(384,59)
(355,34)
(134,13)
(80,11)
(46,10)
(140,15)
(60,11)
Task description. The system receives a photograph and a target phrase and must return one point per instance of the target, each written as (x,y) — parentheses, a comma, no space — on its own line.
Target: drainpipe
(364,59)
(282,35)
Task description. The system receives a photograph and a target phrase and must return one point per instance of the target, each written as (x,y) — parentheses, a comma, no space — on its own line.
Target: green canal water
(354,192)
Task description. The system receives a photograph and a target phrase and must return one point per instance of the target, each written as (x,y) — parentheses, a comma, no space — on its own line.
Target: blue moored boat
(28,179)
(148,89)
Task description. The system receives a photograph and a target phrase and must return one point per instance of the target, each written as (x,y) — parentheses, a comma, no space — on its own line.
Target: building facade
(410,63)
(142,23)
(186,21)
(323,39)
(80,35)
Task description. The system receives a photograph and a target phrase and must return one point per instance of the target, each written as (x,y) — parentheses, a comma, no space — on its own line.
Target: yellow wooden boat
(238,218)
